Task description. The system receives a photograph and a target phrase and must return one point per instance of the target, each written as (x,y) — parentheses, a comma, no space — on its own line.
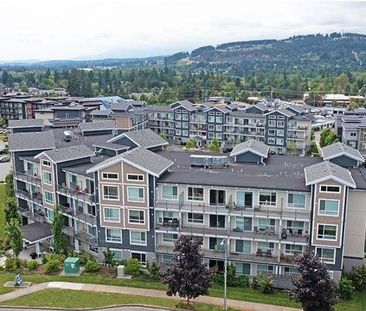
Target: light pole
(224,244)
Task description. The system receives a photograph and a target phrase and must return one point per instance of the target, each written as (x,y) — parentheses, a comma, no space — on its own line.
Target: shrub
(266,285)
(133,267)
(345,289)
(243,281)
(92,266)
(32,265)
(218,278)
(154,270)
(358,278)
(10,264)
(255,283)
(52,265)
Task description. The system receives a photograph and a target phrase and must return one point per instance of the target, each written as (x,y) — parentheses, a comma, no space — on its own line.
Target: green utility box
(72,266)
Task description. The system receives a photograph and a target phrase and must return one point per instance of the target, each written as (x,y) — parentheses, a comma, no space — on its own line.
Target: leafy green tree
(292,148)
(74,83)
(313,287)
(11,211)
(327,137)
(15,236)
(9,188)
(214,145)
(164,136)
(191,143)
(2,122)
(60,244)
(108,258)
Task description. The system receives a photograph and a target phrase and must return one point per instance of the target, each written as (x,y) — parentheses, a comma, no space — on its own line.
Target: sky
(89,29)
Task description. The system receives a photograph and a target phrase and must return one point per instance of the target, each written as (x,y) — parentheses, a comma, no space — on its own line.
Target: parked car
(4,159)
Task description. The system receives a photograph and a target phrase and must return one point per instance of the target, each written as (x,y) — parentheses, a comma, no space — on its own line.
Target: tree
(164,136)
(191,143)
(214,145)
(11,209)
(15,235)
(327,137)
(313,288)
(2,122)
(9,188)
(292,148)
(74,83)
(59,238)
(189,277)
(108,258)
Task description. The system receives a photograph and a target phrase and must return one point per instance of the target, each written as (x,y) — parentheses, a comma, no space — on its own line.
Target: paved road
(108,309)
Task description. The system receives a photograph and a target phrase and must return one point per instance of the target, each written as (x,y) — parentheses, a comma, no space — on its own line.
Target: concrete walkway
(237,304)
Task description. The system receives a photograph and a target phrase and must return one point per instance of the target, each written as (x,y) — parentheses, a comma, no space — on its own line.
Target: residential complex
(127,191)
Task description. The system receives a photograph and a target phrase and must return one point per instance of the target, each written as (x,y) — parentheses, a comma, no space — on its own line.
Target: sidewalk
(238,304)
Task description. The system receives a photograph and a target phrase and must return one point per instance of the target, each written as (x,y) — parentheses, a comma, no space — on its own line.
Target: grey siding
(248,157)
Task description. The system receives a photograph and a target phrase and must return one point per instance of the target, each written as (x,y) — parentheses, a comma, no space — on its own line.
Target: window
(271,132)
(280,133)
(195,218)
(211,119)
(195,194)
(50,214)
(267,198)
(280,123)
(242,268)
(327,255)
(271,141)
(215,244)
(185,117)
(112,214)
(266,224)
(136,217)
(48,197)
(110,175)
(279,141)
(327,232)
(243,246)
(217,221)
(335,189)
(295,226)
(47,177)
(353,134)
(264,269)
(170,237)
(168,259)
(266,246)
(243,224)
(244,199)
(218,119)
(135,194)
(290,271)
(296,200)
(328,207)
(46,163)
(137,238)
(219,128)
(169,192)
(113,235)
(272,117)
(110,193)
(117,254)
(135,177)
(185,133)
(141,257)
(178,132)
(178,117)
(293,250)
(272,123)
(217,197)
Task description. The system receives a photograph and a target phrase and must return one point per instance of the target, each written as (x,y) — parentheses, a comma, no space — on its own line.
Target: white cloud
(46,29)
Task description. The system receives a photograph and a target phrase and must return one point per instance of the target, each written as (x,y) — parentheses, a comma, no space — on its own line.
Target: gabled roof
(327,170)
(284,112)
(183,103)
(140,158)
(253,146)
(296,108)
(31,141)
(67,153)
(338,149)
(101,112)
(124,106)
(219,108)
(142,138)
(25,123)
(97,125)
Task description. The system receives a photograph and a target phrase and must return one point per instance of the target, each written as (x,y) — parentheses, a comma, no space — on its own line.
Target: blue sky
(54,29)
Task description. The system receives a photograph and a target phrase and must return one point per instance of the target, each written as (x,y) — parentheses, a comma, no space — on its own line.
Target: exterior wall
(248,157)
(273,141)
(123,121)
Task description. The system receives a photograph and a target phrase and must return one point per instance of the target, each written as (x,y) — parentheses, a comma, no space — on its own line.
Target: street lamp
(224,244)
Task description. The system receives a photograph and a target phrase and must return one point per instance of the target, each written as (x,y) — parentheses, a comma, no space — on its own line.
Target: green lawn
(58,298)
(2,210)
(356,304)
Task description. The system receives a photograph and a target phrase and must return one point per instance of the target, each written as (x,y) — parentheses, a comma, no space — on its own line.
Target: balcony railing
(38,216)
(74,191)
(79,215)
(80,235)
(28,177)
(26,195)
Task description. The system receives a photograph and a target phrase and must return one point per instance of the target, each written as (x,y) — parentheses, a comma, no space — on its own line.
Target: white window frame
(295,207)
(292,252)
(170,199)
(136,210)
(326,191)
(43,179)
(138,175)
(46,163)
(44,193)
(139,244)
(141,253)
(116,250)
(195,187)
(108,178)
(136,201)
(321,257)
(192,220)
(170,241)
(270,202)
(115,208)
(108,199)
(106,235)
(323,239)
(325,214)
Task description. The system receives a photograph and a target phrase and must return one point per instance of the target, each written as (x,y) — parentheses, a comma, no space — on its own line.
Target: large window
(217,221)
(243,224)
(244,199)
(242,268)
(136,217)
(327,255)
(195,194)
(243,246)
(215,244)
(266,224)
(296,200)
(169,192)
(48,197)
(113,235)
(293,249)
(328,207)
(195,218)
(327,232)
(217,197)
(117,254)
(135,194)
(110,193)
(266,246)
(170,237)
(141,257)
(334,189)
(264,269)
(112,214)
(137,238)
(47,177)
(267,198)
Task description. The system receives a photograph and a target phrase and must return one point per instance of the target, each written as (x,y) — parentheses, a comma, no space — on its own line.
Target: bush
(32,265)
(92,266)
(10,264)
(358,278)
(266,285)
(243,281)
(154,270)
(133,267)
(52,265)
(255,283)
(218,278)
(345,289)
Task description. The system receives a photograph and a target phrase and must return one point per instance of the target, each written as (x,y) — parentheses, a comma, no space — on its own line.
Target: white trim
(118,250)
(322,239)
(138,201)
(136,210)
(325,178)
(110,185)
(106,236)
(327,185)
(112,221)
(203,196)
(138,180)
(335,254)
(106,178)
(44,196)
(168,185)
(43,180)
(138,252)
(141,231)
(328,215)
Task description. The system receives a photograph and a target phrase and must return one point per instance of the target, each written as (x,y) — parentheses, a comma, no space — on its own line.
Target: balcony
(26,195)
(79,215)
(74,191)
(37,216)
(28,177)
(80,235)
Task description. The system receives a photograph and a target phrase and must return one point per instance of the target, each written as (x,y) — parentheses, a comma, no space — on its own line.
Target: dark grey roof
(97,125)
(280,172)
(142,138)
(285,112)
(253,146)
(244,113)
(327,170)
(298,109)
(141,158)
(81,169)
(31,141)
(359,176)
(338,149)
(37,231)
(68,153)
(158,108)
(124,106)
(25,123)
(71,107)
(29,159)
(184,103)
(101,112)
(111,146)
